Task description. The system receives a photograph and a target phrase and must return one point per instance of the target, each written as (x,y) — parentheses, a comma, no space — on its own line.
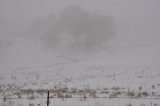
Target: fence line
(88,97)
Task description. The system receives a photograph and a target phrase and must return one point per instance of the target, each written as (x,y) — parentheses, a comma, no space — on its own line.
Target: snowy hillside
(128,63)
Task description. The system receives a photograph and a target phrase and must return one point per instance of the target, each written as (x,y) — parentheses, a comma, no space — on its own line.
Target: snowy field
(82,102)
(103,73)
(84,52)
(126,63)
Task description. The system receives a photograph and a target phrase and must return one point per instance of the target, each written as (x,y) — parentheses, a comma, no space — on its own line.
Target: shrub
(114,94)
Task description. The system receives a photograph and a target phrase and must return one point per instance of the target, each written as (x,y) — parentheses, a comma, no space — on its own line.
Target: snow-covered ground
(127,62)
(82,102)
(127,67)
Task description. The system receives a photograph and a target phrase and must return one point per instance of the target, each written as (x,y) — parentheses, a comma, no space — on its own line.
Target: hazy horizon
(132,18)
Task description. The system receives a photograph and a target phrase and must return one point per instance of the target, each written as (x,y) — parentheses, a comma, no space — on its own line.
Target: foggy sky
(132,17)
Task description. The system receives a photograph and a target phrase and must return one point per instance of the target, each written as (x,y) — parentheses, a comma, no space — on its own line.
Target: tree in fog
(78,29)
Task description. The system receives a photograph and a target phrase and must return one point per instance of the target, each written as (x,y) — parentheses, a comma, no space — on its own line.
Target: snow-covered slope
(127,62)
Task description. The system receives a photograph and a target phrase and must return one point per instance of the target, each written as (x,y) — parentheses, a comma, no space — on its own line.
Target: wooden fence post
(48,99)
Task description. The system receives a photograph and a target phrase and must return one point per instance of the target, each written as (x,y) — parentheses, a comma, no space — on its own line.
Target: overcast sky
(132,17)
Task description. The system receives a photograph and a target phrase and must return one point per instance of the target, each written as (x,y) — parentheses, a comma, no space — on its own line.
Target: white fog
(80,49)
